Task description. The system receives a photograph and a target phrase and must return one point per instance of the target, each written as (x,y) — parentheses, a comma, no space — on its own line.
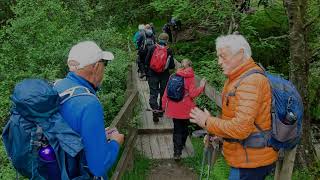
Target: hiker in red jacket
(179,110)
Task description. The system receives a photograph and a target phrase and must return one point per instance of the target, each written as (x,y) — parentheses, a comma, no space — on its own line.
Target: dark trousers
(157,85)
(259,173)
(180,134)
(141,60)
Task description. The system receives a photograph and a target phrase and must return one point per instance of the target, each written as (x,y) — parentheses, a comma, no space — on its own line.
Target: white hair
(234,43)
(141,26)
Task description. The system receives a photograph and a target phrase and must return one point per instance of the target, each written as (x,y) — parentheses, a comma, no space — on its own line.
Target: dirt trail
(171,170)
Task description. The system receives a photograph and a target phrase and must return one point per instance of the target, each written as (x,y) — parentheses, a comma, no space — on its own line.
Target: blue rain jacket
(84,114)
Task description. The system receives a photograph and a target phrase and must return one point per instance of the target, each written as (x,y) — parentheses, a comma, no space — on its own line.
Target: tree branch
(311,22)
(315,53)
(275,37)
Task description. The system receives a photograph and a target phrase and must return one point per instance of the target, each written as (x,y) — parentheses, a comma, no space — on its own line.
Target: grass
(140,169)
(220,170)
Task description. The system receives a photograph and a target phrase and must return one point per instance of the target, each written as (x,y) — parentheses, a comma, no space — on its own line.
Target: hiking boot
(177,157)
(155,119)
(160,113)
(142,75)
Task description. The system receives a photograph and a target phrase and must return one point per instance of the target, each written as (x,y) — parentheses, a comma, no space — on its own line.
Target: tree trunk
(299,71)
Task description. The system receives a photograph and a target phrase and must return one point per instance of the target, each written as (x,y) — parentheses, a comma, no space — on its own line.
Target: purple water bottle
(51,167)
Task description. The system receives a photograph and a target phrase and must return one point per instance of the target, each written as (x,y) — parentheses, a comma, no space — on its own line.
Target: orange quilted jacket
(251,104)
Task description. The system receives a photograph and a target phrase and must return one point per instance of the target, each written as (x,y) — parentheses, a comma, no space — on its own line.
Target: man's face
(229,61)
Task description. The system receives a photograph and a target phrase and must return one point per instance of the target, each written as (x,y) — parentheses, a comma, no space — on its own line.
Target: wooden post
(284,167)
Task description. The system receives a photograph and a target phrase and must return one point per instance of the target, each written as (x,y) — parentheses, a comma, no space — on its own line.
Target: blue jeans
(259,173)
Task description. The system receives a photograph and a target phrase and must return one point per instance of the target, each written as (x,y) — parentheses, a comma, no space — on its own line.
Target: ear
(241,51)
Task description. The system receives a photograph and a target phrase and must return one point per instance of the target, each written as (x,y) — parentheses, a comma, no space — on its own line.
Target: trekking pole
(210,154)
(209,159)
(214,150)
(204,155)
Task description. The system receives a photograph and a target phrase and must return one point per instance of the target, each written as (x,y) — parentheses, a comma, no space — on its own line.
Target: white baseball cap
(88,52)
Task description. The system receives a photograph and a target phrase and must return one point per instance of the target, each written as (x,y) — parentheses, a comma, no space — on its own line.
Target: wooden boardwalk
(155,139)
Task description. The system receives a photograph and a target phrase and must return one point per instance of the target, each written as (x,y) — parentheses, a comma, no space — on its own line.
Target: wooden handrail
(124,114)
(126,110)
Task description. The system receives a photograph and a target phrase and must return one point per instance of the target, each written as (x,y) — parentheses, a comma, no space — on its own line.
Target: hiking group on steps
(261,113)
(56,131)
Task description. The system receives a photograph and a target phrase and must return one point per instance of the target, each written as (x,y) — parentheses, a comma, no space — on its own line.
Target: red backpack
(159,58)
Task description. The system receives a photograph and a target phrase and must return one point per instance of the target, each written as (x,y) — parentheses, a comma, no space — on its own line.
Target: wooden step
(160,146)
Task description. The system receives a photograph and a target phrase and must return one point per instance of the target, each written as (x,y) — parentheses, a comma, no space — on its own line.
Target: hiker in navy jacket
(84,113)
(158,80)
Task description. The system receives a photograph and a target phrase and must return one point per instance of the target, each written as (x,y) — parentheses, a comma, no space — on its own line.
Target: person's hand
(206,140)
(199,117)
(203,82)
(117,137)
(109,131)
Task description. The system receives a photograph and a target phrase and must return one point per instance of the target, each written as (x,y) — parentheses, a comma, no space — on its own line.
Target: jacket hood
(185,72)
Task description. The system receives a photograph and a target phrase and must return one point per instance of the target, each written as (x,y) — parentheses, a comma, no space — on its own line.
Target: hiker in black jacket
(167,29)
(157,80)
(144,42)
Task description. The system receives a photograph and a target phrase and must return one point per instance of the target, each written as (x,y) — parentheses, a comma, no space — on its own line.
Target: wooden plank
(155,149)
(163,146)
(149,120)
(143,119)
(145,142)
(167,123)
(138,143)
(169,144)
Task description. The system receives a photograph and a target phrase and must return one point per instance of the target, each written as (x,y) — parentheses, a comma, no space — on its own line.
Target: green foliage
(7,171)
(5,11)
(210,14)
(35,44)
(314,90)
(266,31)
(38,52)
(52,31)
(121,12)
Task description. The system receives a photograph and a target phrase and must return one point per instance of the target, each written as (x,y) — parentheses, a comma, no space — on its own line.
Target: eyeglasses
(105,63)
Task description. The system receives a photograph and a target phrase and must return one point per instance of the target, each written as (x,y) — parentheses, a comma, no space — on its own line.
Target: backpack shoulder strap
(253,71)
(233,92)
(74,92)
(55,82)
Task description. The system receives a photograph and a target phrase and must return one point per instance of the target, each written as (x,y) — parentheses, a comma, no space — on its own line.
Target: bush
(35,44)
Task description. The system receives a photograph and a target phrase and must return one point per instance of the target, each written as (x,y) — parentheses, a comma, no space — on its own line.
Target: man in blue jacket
(82,109)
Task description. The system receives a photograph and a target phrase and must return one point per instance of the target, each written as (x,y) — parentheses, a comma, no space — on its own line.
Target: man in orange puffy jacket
(246,104)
